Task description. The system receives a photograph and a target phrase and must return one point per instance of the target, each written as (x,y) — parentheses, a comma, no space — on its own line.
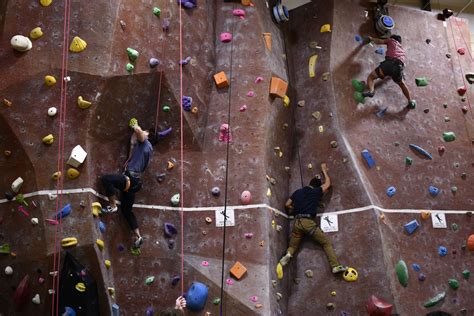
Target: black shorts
(391,67)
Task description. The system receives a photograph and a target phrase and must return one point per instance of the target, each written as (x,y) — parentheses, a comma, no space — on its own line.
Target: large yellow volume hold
(312,65)
(72,173)
(48,139)
(83,104)
(77,45)
(68,242)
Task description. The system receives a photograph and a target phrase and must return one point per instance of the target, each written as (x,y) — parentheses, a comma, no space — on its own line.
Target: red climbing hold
(441,150)
(462,90)
(22,292)
(461,51)
(470,242)
(377,307)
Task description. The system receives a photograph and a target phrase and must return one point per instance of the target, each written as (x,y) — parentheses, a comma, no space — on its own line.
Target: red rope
(181,143)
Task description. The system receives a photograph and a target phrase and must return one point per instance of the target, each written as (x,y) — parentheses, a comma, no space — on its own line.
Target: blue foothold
(102,227)
(66,210)
(411,226)
(358,38)
(380,51)
(68,311)
(416,267)
(433,190)
(381,113)
(442,251)
(115,310)
(391,191)
(368,158)
(421,151)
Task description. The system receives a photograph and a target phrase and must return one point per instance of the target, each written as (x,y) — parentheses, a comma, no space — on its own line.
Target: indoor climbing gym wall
(247,101)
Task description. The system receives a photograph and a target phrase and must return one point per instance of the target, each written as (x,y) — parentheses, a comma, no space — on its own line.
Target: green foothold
(358,97)
(216,301)
(129,67)
(454,226)
(408,161)
(421,82)
(402,272)
(412,104)
(135,251)
(435,300)
(5,249)
(132,54)
(453,283)
(449,136)
(466,274)
(20,198)
(149,280)
(166,108)
(454,189)
(358,85)
(157,11)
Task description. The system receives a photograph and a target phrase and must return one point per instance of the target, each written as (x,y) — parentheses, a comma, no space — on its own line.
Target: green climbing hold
(466,274)
(216,301)
(135,251)
(453,283)
(402,272)
(435,300)
(408,161)
(412,104)
(157,11)
(421,82)
(454,189)
(20,198)
(132,54)
(166,108)
(358,97)
(129,67)
(5,249)
(454,226)
(149,280)
(449,136)
(358,85)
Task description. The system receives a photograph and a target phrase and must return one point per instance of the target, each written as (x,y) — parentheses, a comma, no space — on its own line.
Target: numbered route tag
(439,220)
(229,217)
(329,223)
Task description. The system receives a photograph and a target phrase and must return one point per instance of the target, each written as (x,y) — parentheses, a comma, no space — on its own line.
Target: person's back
(306,200)
(140,157)
(395,50)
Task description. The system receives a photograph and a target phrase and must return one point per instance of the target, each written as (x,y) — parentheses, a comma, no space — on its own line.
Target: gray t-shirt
(140,157)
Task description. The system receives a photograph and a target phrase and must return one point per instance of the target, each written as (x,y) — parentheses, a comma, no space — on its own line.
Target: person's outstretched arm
(378,41)
(327,181)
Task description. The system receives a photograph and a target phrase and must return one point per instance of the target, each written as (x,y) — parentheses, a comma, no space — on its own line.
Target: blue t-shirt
(140,157)
(306,200)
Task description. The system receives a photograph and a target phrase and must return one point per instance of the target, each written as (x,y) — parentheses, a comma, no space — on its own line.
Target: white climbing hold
(52,111)
(34,221)
(8,270)
(36,299)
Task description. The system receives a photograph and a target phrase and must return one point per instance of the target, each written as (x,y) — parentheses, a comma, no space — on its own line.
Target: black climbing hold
(428,41)
(175,280)
(161,177)
(171,244)
(170,230)
(216,191)
(9,195)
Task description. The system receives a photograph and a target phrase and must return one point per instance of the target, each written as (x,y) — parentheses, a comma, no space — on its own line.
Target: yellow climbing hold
(72,173)
(83,104)
(49,80)
(48,139)
(46,3)
(111,291)
(326,28)
(77,45)
(100,244)
(286,101)
(56,175)
(107,263)
(96,209)
(81,287)
(36,33)
(279,271)
(312,65)
(68,242)
(269,192)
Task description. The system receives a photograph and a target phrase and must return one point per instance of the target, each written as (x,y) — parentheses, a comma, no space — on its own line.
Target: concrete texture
(371,241)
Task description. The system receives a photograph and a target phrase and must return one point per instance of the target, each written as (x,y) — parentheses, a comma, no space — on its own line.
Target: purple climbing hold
(154,62)
(170,230)
(421,277)
(165,25)
(380,51)
(188,4)
(121,248)
(187,103)
(344,313)
(149,311)
(175,280)
(164,133)
(185,61)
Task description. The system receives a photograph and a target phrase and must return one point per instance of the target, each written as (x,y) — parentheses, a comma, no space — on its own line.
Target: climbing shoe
(285,259)
(139,242)
(109,209)
(339,268)
(369,94)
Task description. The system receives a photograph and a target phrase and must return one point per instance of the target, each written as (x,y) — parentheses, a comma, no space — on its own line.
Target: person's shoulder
(318,190)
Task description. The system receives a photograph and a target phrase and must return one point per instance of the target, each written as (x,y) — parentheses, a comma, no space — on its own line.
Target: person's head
(398,38)
(152,136)
(171,312)
(315,182)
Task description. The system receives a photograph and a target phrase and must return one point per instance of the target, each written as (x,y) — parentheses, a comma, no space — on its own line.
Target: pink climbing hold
(229,281)
(22,209)
(254,298)
(226,37)
(240,13)
(243,108)
(461,51)
(51,221)
(378,307)
(258,79)
(250,94)
(248,235)
(224,135)
(205,263)
(245,197)
(462,90)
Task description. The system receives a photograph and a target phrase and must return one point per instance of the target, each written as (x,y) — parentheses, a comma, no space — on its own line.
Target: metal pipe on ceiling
(465,7)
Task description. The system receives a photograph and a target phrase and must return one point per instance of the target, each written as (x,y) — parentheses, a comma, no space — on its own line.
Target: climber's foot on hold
(285,259)
(339,268)
(369,94)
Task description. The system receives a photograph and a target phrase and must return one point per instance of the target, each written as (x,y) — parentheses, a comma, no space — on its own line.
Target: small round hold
(454,189)
(7,153)
(21,43)
(216,191)
(82,203)
(421,277)
(463,175)
(67,79)
(194,109)
(166,108)
(153,62)
(245,197)
(52,111)
(8,270)
(34,221)
(333,293)
(333,144)
(426,110)
(208,220)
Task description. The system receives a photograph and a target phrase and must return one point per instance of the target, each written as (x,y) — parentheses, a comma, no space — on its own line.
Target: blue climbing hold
(391,191)
(66,210)
(416,267)
(380,51)
(68,311)
(101,227)
(187,103)
(421,151)
(115,310)
(170,230)
(381,113)
(185,61)
(188,4)
(358,38)
(164,133)
(387,21)
(442,251)
(368,158)
(434,191)
(410,227)
(196,297)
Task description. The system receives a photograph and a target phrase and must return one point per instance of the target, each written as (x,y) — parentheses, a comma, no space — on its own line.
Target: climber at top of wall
(392,66)
(129,182)
(303,203)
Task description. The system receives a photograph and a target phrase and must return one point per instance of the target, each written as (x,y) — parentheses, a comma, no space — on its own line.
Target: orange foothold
(278,87)
(238,270)
(7,102)
(221,80)
(170,165)
(194,110)
(425,215)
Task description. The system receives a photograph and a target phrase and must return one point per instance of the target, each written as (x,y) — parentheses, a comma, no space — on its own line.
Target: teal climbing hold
(358,97)
(412,104)
(132,54)
(453,283)
(149,280)
(435,300)
(358,85)
(216,301)
(421,82)
(129,67)
(408,161)
(402,272)
(449,136)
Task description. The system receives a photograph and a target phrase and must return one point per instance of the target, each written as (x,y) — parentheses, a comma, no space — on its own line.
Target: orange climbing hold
(238,270)
(278,87)
(267,37)
(221,80)
(470,242)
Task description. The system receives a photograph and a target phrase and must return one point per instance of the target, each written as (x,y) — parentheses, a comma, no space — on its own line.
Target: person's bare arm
(327,181)
(289,205)
(378,41)
(139,133)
